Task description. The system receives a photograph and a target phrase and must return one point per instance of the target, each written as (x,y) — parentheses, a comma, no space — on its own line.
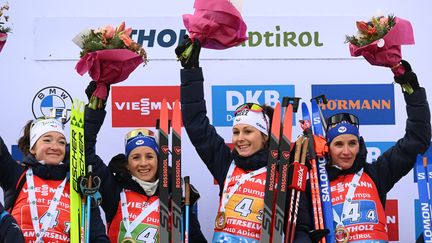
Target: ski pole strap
(226,195)
(299,173)
(348,199)
(125,213)
(320,144)
(50,213)
(89,185)
(3,214)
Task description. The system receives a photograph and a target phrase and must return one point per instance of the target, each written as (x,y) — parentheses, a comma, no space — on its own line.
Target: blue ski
(324,184)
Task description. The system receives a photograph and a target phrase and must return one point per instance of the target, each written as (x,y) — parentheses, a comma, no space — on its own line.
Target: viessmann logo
(139,106)
(372,103)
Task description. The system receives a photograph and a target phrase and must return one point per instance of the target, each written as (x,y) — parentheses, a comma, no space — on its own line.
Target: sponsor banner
(226,98)
(51,97)
(392,214)
(139,106)
(16,153)
(373,104)
(375,149)
(269,37)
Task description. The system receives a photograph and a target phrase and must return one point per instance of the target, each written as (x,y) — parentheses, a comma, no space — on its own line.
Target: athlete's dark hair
(24,140)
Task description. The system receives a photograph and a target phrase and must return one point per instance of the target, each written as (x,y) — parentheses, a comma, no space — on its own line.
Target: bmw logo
(51,97)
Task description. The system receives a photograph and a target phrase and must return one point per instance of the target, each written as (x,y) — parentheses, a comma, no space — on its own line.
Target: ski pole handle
(187,190)
(324,101)
(88,206)
(187,203)
(298,149)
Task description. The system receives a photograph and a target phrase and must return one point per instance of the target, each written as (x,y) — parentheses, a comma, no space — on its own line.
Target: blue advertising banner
(373,104)
(226,98)
(375,149)
(16,153)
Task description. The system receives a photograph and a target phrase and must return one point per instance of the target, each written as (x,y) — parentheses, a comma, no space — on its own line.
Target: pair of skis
(83,185)
(320,185)
(279,156)
(77,171)
(176,233)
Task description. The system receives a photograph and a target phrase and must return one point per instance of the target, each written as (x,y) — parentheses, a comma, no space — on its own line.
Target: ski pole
(297,184)
(187,203)
(314,179)
(89,185)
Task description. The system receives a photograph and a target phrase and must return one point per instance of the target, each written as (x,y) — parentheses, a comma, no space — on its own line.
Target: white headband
(253,118)
(41,127)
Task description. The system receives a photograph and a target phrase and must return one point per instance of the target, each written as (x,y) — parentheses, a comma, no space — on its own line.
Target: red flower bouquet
(379,42)
(3,30)
(109,55)
(217,24)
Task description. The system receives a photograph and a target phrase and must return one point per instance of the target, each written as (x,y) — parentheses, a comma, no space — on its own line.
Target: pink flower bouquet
(3,38)
(379,41)
(109,55)
(217,24)
(3,30)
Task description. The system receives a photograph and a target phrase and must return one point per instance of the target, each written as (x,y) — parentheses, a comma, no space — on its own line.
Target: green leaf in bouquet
(116,43)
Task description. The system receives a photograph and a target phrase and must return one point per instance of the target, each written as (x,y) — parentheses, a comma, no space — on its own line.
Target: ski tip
(277,113)
(163,119)
(176,118)
(287,122)
(305,111)
(276,122)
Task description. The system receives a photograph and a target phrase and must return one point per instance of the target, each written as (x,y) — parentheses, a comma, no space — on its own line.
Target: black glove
(194,195)
(408,77)
(9,230)
(91,87)
(317,235)
(1,146)
(188,53)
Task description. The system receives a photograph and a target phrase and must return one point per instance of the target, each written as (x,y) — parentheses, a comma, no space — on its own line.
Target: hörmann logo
(278,38)
(227,98)
(372,103)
